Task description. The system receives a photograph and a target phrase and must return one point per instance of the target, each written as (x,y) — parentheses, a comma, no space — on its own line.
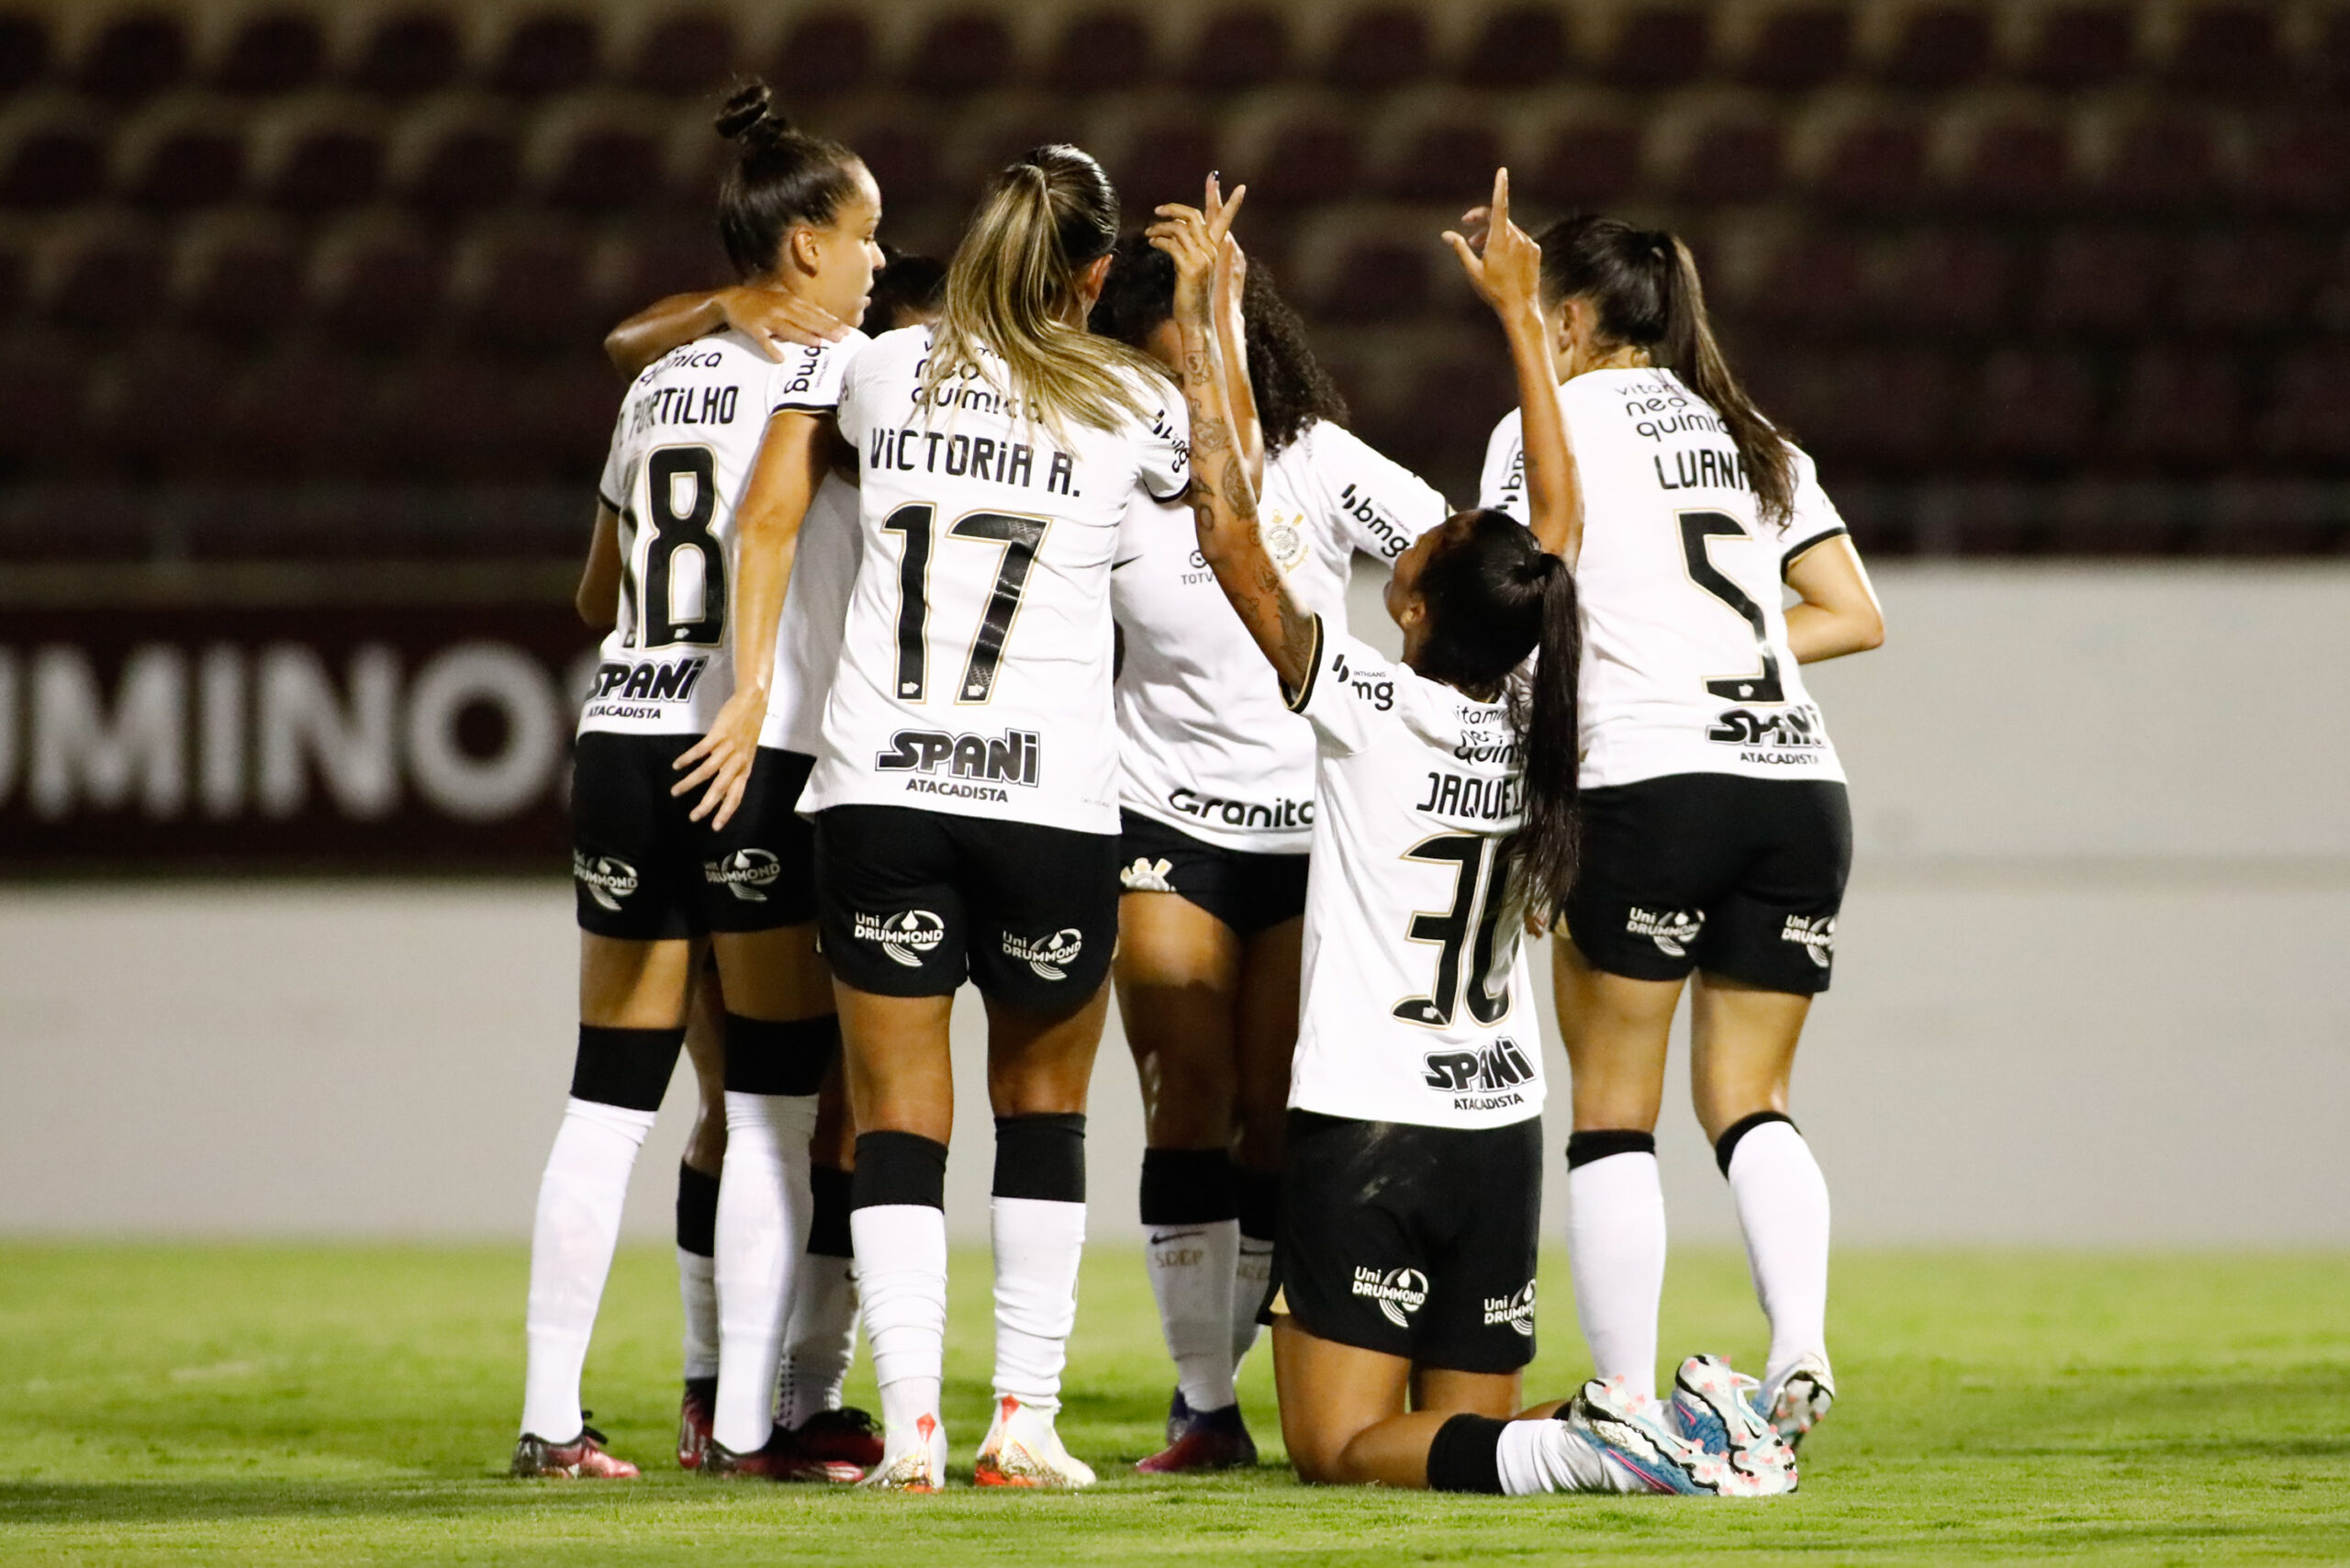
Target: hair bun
(752,115)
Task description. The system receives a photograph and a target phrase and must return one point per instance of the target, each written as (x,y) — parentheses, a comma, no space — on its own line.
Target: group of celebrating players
(919,673)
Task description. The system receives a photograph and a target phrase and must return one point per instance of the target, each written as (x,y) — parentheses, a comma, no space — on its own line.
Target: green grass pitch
(345,1405)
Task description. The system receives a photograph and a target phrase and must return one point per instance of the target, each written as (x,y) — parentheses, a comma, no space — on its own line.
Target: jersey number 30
(1020,536)
(1481,867)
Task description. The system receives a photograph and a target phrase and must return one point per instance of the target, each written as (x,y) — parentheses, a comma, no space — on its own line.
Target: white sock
(820,1340)
(1193,1275)
(1616,1246)
(1252,1276)
(763,1211)
(902,1277)
(1782,1207)
(1037,1246)
(1548,1455)
(697,1287)
(572,1236)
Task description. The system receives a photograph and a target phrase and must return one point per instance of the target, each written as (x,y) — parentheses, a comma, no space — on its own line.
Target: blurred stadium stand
(307,283)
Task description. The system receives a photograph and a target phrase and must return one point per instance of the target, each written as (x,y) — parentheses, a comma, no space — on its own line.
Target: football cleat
(918,1467)
(582,1459)
(1630,1427)
(1179,1416)
(1713,1406)
(847,1435)
(694,1414)
(1803,1396)
(1208,1439)
(1023,1449)
(779,1458)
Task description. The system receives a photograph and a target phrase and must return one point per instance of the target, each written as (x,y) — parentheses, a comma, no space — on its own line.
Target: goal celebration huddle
(987,623)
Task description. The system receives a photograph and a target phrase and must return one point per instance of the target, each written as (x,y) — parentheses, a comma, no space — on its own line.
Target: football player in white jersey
(1719,836)
(715,456)
(1446,787)
(1217,791)
(966,798)
(821,1338)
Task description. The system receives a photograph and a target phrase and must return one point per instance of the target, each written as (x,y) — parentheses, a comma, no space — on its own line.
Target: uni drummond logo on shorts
(1399,1292)
(1672,930)
(906,936)
(608,881)
(743,873)
(1517,1311)
(1048,955)
(1815,934)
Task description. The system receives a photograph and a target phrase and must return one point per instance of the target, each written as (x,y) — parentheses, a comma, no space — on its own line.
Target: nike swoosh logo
(1127,562)
(1159,1237)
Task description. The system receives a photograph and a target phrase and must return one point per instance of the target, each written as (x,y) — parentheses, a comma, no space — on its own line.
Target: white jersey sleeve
(823,564)
(1418,1006)
(1814,518)
(1502,485)
(1163,452)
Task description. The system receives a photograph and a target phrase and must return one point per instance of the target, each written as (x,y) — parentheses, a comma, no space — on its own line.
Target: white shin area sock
(1192,1273)
(1252,1276)
(1616,1246)
(1039,1244)
(1548,1455)
(1782,1207)
(698,1288)
(763,1213)
(578,1220)
(819,1342)
(901,1279)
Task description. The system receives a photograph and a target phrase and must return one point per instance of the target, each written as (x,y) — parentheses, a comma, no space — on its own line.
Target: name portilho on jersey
(1815,933)
(743,873)
(1672,930)
(608,881)
(905,936)
(1048,956)
(1517,1310)
(1399,1292)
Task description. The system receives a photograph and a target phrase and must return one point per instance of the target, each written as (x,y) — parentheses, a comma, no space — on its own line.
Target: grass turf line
(312,1405)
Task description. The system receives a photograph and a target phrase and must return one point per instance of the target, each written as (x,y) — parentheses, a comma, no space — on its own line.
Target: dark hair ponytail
(1493,595)
(1643,285)
(785,177)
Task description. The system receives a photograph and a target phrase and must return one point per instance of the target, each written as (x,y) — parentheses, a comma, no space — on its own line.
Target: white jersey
(1686,664)
(682,455)
(1205,743)
(974,673)
(1416,1004)
(808,644)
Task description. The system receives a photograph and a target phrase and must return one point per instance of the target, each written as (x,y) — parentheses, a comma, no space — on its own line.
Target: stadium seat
(962,52)
(2308,417)
(241,280)
(1379,49)
(105,279)
(667,261)
(2081,46)
(2229,47)
(23,51)
(1950,280)
(43,383)
(529,291)
(1440,423)
(1733,159)
(2302,165)
(321,166)
(381,286)
(830,52)
(2238,280)
(549,52)
(1376,280)
(1239,49)
(2103,280)
(15,278)
(2037,408)
(53,164)
(1307,160)
(458,164)
(1800,46)
(1939,47)
(280,52)
(568,419)
(1165,160)
(1817,280)
(301,414)
(2015,163)
(1877,161)
(135,57)
(184,165)
(600,165)
(1903,403)
(686,54)
(1660,47)
(904,159)
(1102,52)
(156,408)
(1523,47)
(454,417)
(2178,411)
(2161,163)
(1441,163)
(1587,161)
(2330,57)
(409,53)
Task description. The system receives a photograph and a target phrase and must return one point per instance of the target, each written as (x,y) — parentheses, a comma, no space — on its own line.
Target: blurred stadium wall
(301,403)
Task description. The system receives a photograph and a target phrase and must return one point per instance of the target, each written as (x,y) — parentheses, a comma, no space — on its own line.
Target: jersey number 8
(668,472)
(1482,872)
(1020,537)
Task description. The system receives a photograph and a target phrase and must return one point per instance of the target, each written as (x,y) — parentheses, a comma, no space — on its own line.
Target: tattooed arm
(1222,497)
(1232,337)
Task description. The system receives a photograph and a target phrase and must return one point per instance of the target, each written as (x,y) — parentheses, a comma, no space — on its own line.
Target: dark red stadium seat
(2308,416)
(157,406)
(1377,280)
(1902,401)
(466,168)
(1447,161)
(2167,162)
(54,166)
(1952,280)
(2179,410)
(1800,46)
(2302,165)
(603,167)
(135,57)
(1733,160)
(1939,46)
(413,52)
(1523,47)
(1817,280)
(245,286)
(1448,409)
(1307,161)
(23,51)
(2227,47)
(454,417)
(568,418)
(2328,61)
(1384,47)
(2103,280)
(1585,162)
(1100,51)
(962,52)
(42,389)
(829,52)
(2016,163)
(2081,46)
(688,53)
(109,280)
(2239,280)
(532,292)
(328,167)
(16,277)
(191,167)
(553,52)
(1876,162)
(1239,49)
(384,289)
(667,262)
(904,159)
(1660,47)
(281,52)
(1165,160)
(2037,407)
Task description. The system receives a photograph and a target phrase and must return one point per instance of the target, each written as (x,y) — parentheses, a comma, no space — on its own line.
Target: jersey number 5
(1020,537)
(1481,867)
(1697,529)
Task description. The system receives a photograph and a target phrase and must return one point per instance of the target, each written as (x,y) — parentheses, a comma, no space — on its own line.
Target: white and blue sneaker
(1630,1427)
(1803,1396)
(1714,1409)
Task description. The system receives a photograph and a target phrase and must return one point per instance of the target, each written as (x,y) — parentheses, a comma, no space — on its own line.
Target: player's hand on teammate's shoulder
(777,320)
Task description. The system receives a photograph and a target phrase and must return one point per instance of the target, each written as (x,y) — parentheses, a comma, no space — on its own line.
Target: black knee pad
(898,1168)
(1187,1186)
(1465,1455)
(767,1058)
(1585,1148)
(828,1235)
(697,1212)
(1258,1203)
(627,1068)
(1041,1156)
(1726,1145)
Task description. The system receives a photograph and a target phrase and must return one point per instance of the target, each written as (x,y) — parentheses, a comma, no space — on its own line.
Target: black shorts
(1248,891)
(911,902)
(1412,1241)
(1738,876)
(644,871)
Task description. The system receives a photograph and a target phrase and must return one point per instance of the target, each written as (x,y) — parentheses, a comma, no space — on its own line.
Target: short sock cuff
(627,1068)
(697,1212)
(1466,1455)
(1040,1156)
(830,1187)
(767,1057)
(1258,1205)
(1188,1186)
(1585,1148)
(898,1168)
(1726,1145)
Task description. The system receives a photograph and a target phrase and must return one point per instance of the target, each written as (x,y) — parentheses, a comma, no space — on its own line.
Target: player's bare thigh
(1742,1042)
(1348,1416)
(1266,1027)
(1177,973)
(1616,1030)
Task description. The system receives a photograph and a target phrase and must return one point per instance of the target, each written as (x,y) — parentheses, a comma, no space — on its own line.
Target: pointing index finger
(1500,214)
